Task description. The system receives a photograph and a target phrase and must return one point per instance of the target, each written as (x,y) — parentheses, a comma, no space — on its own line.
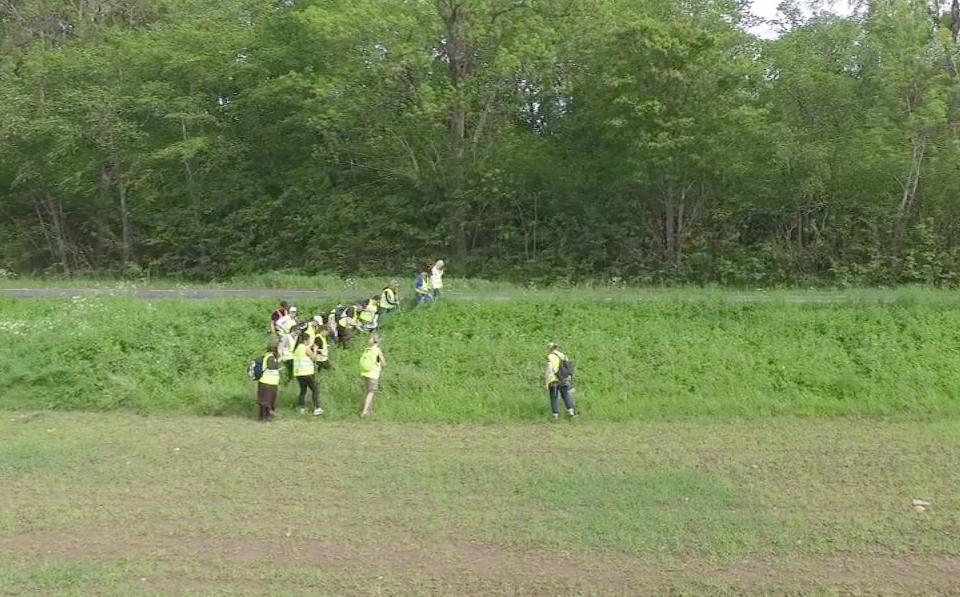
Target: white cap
(293,309)
(318,318)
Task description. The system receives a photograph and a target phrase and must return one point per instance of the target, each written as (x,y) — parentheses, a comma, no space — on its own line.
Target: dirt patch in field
(471,567)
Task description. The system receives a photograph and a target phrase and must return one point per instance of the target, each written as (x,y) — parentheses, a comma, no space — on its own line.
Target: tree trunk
(955,25)
(54,209)
(909,197)
(124,225)
(458,54)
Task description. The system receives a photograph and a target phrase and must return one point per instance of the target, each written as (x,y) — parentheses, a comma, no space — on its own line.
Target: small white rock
(922,503)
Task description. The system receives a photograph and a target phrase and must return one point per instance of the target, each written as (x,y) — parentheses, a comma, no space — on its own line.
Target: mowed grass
(482,361)
(119,504)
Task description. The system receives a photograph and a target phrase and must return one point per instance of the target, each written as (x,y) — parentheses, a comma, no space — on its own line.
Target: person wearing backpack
(559,380)
(346,325)
(268,382)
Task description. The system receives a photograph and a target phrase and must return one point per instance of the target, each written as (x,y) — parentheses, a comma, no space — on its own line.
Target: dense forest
(636,140)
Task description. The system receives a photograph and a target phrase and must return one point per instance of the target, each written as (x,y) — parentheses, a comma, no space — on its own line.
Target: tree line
(637,140)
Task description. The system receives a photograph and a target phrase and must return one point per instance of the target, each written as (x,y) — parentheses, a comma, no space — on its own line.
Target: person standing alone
(269,383)
(372,363)
(559,379)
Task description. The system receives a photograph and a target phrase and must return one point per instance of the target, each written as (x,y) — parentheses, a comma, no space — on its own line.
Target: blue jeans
(556,391)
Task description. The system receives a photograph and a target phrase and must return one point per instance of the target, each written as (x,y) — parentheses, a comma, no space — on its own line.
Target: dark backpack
(566,372)
(255,371)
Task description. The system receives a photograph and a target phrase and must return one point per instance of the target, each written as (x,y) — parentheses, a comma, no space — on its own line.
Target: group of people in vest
(299,349)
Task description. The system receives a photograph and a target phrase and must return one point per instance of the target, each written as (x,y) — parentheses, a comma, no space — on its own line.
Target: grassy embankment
(119,504)
(481,361)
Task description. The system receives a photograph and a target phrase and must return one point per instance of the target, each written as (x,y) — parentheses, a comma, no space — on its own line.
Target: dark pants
(308,382)
(267,398)
(288,366)
(556,391)
(436,293)
(345,337)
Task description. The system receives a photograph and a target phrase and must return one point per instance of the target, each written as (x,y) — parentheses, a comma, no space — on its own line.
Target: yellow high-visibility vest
(302,363)
(388,299)
(322,354)
(369,363)
(269,377)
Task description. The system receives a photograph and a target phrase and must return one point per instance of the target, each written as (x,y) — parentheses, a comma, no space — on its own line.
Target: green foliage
(648,140)
(660,359)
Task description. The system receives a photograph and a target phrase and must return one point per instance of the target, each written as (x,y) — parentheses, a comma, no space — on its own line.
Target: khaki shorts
(373,385)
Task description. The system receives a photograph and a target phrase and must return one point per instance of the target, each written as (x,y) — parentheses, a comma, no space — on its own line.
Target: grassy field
(119,504)
(479,289)
(482,361)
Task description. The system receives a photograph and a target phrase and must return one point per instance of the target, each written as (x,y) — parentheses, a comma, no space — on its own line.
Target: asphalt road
(157,294)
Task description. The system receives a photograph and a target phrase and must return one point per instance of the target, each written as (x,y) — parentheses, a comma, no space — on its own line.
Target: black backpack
(566,372)
(255,371)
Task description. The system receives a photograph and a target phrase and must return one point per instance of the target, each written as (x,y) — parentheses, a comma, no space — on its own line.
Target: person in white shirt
(286,323)
(436,278)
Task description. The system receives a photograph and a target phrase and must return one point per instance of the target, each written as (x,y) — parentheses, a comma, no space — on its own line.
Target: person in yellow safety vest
(389,299)
(368,315)
(314,327)
(305,370)
(557,387)
(423,289)
(372,363)
(346,326)
(436,278)
(332,322)
(285,352)
(323,349)
(268,384)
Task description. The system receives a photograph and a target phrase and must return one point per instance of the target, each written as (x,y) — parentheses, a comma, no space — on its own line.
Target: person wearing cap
(558,381)
(277,315)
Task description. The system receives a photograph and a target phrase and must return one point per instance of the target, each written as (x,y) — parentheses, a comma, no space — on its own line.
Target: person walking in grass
(422,289)
(322,346)
(559,380)
(390,299)
(436,278)
(269,383)
(369,318)
(347,324)
(305,370)
(372,363)
(285,352)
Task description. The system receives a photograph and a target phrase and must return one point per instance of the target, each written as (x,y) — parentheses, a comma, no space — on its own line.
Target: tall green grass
(483,361)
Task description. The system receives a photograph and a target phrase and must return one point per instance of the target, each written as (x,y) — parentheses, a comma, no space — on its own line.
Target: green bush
(483,362)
